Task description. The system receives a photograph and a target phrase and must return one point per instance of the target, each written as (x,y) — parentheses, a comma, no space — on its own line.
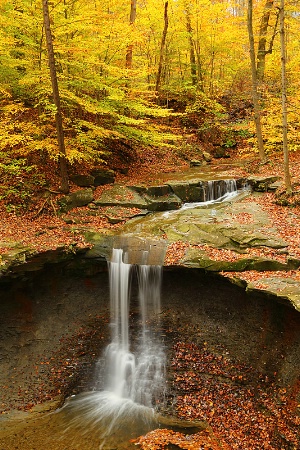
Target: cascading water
(213,191)
(150,369)
(120,362)
(138,377)
(218,189)
(134,376)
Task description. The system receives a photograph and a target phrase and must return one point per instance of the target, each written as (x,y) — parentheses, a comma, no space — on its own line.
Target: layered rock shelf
(229,238)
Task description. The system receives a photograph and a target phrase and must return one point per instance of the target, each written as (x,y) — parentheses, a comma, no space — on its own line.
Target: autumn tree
(162,48)
(255,82)
(56,99)
(287,176)
(262,49)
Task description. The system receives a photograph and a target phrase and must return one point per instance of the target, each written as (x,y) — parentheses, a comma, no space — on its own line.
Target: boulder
(262,184)
(82,180)
(195,163)
(79,198)
(207,157)
(103,176)
(120,195)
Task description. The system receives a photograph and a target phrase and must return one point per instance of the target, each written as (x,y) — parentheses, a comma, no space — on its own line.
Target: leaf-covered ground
(239,416)
(42,229)
(243,409)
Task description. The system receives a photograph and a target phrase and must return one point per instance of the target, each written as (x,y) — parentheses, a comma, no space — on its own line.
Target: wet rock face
(51,333)
(54,329)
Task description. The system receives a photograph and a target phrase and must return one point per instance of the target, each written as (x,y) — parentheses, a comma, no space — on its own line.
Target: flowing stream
(217,191)
(134,368)
(130,387)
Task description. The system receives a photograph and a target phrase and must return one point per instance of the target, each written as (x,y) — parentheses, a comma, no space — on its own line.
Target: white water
(216,192)
(134,378)
(225,198)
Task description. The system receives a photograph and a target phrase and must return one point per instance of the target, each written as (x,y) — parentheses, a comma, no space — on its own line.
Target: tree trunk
(200,74)
(56,99)
(254,83)
(212,68)
(199,62)
(287,176)
(192,49)
(262,51)
(162,48)
(129,51)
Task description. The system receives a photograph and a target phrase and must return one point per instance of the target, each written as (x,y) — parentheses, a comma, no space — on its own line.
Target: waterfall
(120,361)
(134,365)
(218,190)
(140,376)
(150,369)
(213,191)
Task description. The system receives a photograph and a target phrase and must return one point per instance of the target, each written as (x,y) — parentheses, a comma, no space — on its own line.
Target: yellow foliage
(4,93)
(101,98)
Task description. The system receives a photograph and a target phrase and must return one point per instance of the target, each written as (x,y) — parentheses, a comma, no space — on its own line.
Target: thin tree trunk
(56,99)
(212,68)
(287,176)
(262,51)
(191,43)
(198,59)
(129,51)
(180,66)
(162,48)
(254,83)
(200,74)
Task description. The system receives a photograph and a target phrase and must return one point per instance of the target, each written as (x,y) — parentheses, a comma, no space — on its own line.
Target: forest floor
(42,229)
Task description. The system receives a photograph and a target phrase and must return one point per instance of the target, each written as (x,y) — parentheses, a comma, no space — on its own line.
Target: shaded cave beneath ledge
(54,327)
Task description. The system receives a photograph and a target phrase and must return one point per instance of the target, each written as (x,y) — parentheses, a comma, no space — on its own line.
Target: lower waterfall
(136,376)
(134,371)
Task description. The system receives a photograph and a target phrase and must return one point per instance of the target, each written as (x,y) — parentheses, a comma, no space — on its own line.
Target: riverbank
(43,229)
